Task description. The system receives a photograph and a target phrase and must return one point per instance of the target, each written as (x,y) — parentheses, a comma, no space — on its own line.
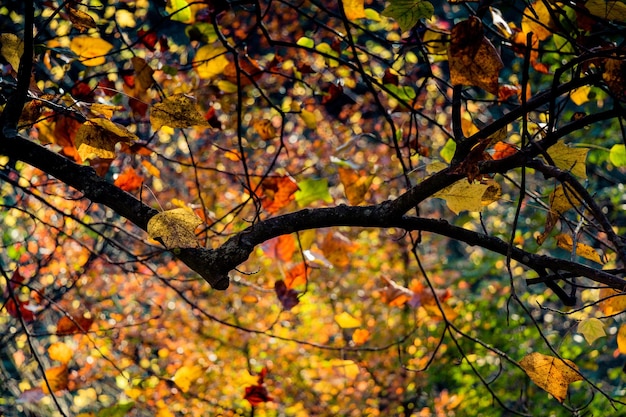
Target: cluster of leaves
(209,125)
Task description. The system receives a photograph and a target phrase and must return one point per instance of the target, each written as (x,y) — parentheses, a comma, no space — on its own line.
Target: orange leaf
(360,336)
(296,276)
(61,352)
(355,185)
(394,294)
(277,192)
(77,324)
(264,128)
(621,339)
(152,170)
(503,150)
(336,248)
(58,378)
(281,248)
(612,301)
(129,180)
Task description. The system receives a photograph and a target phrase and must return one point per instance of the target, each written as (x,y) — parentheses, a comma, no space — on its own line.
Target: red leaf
(147,38)
(287,297)
(503,150)
(25,310)
(78,324)
(257,394)
(296,276)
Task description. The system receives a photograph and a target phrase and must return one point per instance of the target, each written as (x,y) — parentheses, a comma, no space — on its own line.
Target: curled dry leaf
(175,228)
(97,137)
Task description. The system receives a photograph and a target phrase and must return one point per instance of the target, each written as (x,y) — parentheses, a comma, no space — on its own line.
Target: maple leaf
(538,20)
(353,9)
(551,374)
(360,336)
(129,180)
(337,248)
(210,61)
(565,241)
(258,394)
(569,159)
(178,110)
(612,301)
(465,196)
(175,228)
(355,185)
(607,9)
(287,297)
(473,59)
(282,247)
(277,192)
(296,275)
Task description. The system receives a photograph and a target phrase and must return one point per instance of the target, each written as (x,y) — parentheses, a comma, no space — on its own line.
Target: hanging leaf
(179,10)
(607,9)
(80,20)
(129,180)
(337,248)
(503,150)
(408,12)
(187,375)
(287,297)
(395,295)
(353,9)
(78,323)
(580,95)
(591,329)
(277,192)
(614,76)
(210,61)
(617,155)
(58,379)
(96,138)
(346,321)
(296,275)
(12,48)
(621,339)
(355,185)
(175,228)
(176,111)
(91,50)
(360,336)
(472,58)
(463,196)
(258,394)
(143,75)
(61,352)
(612,301)
(537,19)
(551,374)
(566,242)
(311,190)
(569,159)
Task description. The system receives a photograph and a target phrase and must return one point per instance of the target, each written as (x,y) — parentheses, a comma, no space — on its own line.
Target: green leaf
(313,190)
(447,152)
(179,10)
(203,32)
(591,329)
(408,12)
(306,42)
(405,93)
(617,156)
(117,410)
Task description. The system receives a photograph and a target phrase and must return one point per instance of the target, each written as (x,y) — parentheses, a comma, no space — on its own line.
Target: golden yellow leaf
(580,95)
(310,120)
(569,159)
(337,248)
(346,321)
(463,196)
(12,49)
(97,137)
(175,228)
(355,186)
(537,20)
(612,301)
(566,242)
(61,352)
(354,9)
(621,339)
(591,329)
(563,199)
(125,18)
(210,61)
(551,374)
(91,50)
(264,128)
(187,375)
(178,110)
(607,9)
(58,378)
(472,58)
(492,193)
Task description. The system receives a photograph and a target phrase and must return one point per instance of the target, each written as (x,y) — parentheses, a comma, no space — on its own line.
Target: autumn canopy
(312,208)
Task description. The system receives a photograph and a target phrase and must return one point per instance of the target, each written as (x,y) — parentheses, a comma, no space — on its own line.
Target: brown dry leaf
(614,76)
(12,49)
(355,185)
(566,242)
(76,324)
(58,378)
(537,20)
(143,75)
(551,374)
(80,20)
(472,58)
(175,228)
(96,138)
(336,248)
(264,128)
(395,295)
(176,111)
(61,352)
(612,301)
(249,71)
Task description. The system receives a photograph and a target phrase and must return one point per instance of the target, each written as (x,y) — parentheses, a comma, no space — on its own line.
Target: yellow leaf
(187,375)
(566,242)
(591,329)
(563,199)
(61,352)
(463,196)
(355,186)
(551,374)
(57,378)
(179,10)
(90,50)
(491,194)
(175,228)
(569,159)
(97,137)
(612,301)
(612,10)
(125,18)
(347,321)
(537,20)
(264,128)
(354,9)
(12,49)
(621,339)
(176,111)
(360,336)
(210,61)
(309,119)
(580,95)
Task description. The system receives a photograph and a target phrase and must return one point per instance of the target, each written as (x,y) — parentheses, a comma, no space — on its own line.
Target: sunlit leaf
(360,336)
(408,12)
(97,137)
(306,42)
(58,378)
(129,180)
(580,95)
(12,49)
(355,185)
(591,329)
(353,9)
(152,170)
(264,128)
(210,61)
(310,120)
(176,111)
(296,275)
(346,321)
(473,59)
(565,241)
(179,10)
(503,150)
(76,324)
(125,18)
(551,374)
(175,228)
(463,196)
(500,23)
(277,192)
(282,247)
(607,9)
(612,301)
(90,49)
(569,159)
(621,339)
(337,249)
(61,352)
(563,198)
(617,155)
(186,375)
(537,19)
(311,190)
